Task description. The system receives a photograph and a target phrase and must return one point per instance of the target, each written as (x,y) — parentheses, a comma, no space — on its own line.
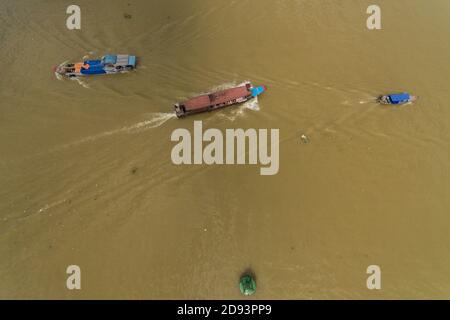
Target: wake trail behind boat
(239,111)
(156,120)
(81,82)
(252,104)
(368,100)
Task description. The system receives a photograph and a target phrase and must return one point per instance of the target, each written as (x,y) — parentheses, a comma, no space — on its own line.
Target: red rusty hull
(214,100)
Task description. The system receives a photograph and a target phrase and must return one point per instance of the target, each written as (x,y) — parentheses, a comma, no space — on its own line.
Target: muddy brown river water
(86,176)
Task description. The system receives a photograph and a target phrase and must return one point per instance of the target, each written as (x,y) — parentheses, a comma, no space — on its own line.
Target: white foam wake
(57,75)
(236,112)
(156,120)
(252,104)
(80,82)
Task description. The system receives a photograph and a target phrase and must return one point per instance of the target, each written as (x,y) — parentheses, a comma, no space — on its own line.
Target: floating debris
(134,170)
(127,16)
(305,138)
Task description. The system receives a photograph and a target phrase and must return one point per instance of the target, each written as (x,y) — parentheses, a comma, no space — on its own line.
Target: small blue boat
(396,98)
(108,64)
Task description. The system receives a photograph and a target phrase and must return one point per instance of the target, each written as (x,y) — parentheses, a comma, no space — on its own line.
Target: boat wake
(239,111)
(252,104)
(155,120)
(362,101)
(80,82)
(368,100)
(57,75)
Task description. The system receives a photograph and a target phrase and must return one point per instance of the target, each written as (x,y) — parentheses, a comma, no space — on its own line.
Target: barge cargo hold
(217,100)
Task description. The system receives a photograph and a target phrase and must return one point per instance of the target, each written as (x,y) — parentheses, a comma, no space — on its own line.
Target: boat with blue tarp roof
(108,64)
(396,98)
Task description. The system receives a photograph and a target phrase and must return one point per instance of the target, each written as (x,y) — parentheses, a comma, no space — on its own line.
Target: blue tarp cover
(132,61)
(256,91)
(93,69)
(93,62)
(398,98)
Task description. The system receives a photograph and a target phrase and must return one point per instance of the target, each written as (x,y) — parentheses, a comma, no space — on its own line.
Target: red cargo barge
(216,100)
